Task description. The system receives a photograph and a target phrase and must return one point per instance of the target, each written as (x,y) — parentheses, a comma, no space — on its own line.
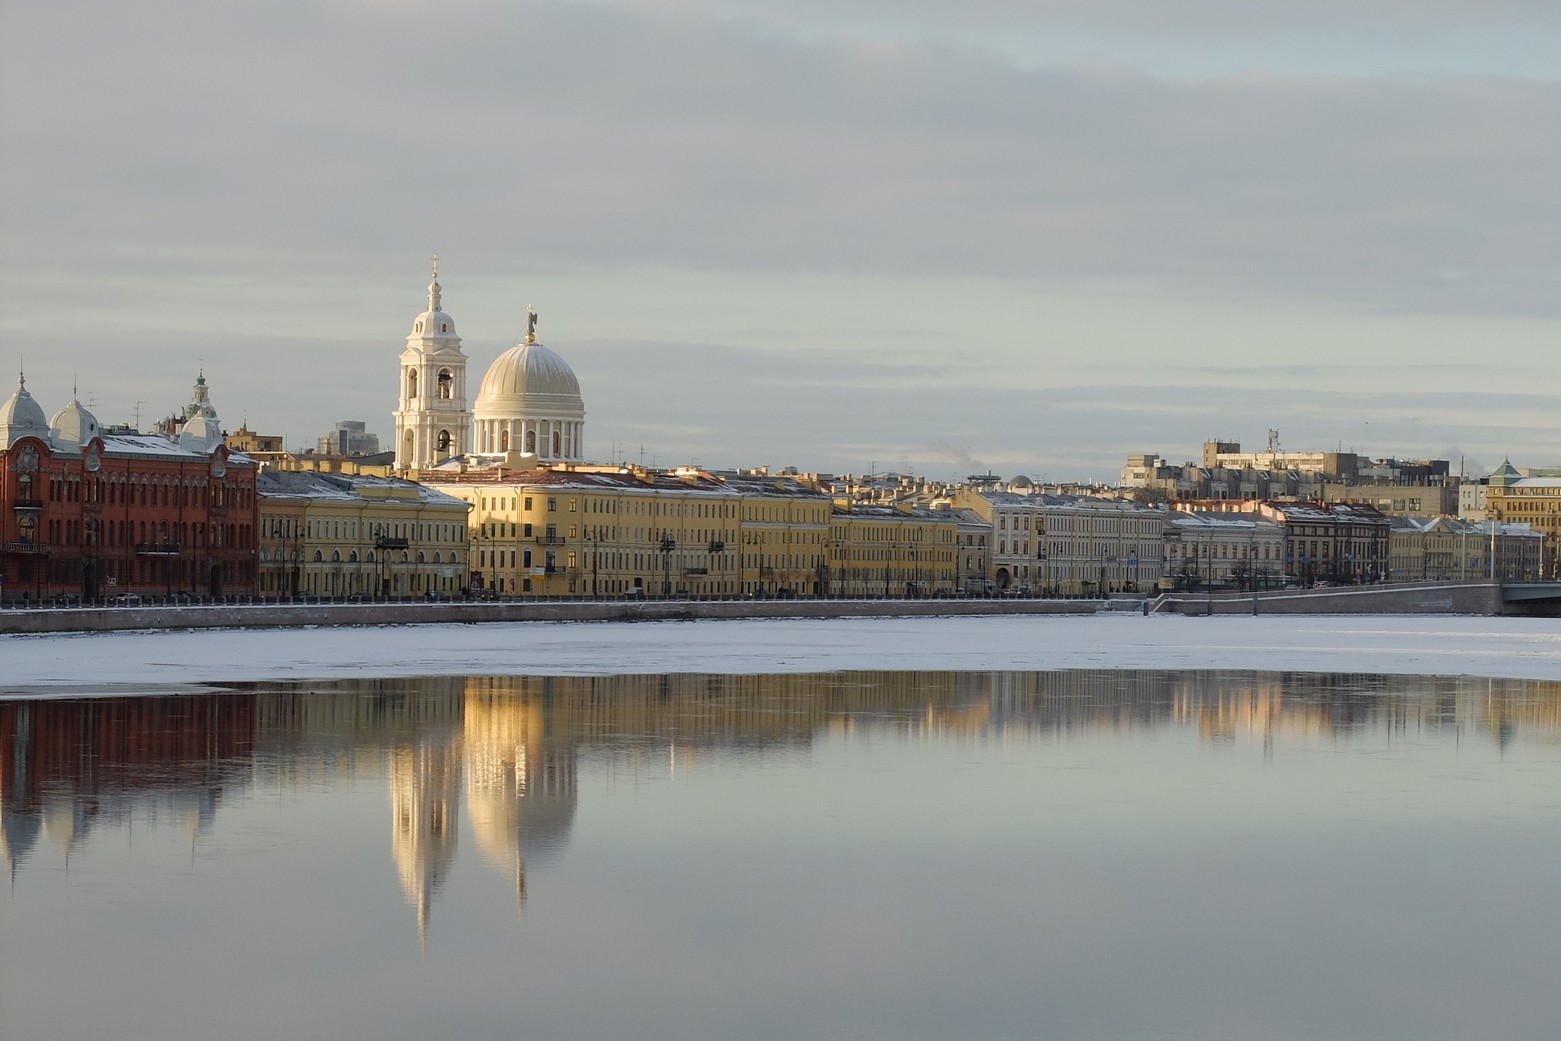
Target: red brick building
(89,514)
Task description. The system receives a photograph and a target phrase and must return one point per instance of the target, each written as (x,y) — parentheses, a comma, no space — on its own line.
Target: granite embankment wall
(1475,598)
(88,619)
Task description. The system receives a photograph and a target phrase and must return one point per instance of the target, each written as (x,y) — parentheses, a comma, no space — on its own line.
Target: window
(412,377)
(446,384)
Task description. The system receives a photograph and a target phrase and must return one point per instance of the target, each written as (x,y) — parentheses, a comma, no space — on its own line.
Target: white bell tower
(433,421)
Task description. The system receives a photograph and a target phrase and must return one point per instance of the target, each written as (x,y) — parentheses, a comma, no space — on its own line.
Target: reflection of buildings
(513,746)
(425,793)
(68,767)
(520,789)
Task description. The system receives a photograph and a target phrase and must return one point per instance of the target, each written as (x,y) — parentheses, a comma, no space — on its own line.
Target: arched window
(335,556)
(437,559)
(352,557)
(418,328)
(504,441)
(531,441)
(370,558)
(411,383)
(558,441)
(420,559)
(444,441)
(446,384)
(319,556)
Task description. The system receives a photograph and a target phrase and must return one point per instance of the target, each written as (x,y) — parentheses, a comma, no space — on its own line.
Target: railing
(20,547)
(157,549)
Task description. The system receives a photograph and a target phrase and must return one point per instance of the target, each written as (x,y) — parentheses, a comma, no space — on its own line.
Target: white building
(433,421)
(528,403)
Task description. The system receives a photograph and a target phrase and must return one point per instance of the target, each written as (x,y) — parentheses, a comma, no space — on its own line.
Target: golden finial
(531,324)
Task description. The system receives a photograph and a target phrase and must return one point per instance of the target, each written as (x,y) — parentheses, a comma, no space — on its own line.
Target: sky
(845,236)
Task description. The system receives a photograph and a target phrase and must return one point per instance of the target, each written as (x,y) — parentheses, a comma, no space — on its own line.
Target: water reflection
(506,751)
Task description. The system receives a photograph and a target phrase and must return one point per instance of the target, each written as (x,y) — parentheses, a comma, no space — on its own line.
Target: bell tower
(433,420)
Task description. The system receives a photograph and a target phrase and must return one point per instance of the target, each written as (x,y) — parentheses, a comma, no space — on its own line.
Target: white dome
(74,425)
(529,378)
(432,324)
(21,415)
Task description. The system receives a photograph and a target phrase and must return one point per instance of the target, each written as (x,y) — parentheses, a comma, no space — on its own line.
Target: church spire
(433,287)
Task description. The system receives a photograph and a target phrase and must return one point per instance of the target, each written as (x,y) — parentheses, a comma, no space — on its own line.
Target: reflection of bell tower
(520,787)
(433,421)
(425,794)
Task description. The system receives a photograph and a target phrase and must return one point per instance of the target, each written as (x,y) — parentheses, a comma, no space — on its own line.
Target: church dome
(21,415)
(433,324)
(75,425)
(529,377)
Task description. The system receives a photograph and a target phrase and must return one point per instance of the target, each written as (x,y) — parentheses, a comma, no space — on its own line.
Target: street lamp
(667,546)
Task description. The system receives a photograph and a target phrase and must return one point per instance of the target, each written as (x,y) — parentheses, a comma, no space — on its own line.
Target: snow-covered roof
(311,485)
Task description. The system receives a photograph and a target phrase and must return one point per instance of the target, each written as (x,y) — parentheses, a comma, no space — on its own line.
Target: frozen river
(1463,646)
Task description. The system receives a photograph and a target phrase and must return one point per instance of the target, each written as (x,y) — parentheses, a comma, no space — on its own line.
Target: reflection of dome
(20,416)
(76,426)
(526,377)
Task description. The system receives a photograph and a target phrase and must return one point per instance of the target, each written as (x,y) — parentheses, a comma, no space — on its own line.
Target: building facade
(335,535)
(94,515)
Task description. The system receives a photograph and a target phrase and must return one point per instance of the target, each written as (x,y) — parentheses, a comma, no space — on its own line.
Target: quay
(1467,598)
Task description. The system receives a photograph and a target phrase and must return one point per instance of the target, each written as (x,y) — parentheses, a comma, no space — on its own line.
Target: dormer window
(419,328)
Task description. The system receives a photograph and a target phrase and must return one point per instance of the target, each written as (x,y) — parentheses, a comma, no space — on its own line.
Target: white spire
(433,287)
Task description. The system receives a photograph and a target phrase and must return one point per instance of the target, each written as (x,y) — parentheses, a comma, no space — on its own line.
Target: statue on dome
(531,324)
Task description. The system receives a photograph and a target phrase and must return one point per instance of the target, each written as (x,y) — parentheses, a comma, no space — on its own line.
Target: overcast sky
(1026,236)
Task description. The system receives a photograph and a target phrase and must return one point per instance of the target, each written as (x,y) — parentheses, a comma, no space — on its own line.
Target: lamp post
(667,545)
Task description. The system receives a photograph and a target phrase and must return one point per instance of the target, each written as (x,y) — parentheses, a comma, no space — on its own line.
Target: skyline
(803,234)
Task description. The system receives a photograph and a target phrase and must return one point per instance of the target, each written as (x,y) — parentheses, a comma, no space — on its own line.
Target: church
(528,406)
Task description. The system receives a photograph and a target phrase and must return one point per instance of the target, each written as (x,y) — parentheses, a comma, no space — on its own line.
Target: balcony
(20,547)
(549,540)
(157,549)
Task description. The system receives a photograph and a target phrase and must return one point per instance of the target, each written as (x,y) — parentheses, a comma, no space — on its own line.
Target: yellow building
(606,531)
(892,551)
(784,525)
(1535,501)
(1446,548)
(596,531)
(350,535)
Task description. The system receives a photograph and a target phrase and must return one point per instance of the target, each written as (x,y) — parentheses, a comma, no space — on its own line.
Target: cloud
(546,134)
(1053,264)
